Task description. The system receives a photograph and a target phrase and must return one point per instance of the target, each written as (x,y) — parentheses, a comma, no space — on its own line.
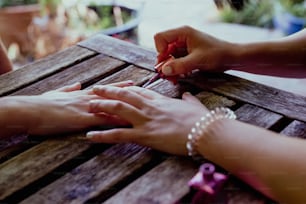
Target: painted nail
(90,135)
(167,70)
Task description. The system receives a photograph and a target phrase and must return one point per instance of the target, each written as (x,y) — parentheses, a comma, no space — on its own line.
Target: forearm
(271,163)
(285,57)
(15,116)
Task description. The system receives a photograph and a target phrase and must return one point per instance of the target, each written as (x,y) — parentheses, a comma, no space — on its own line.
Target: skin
(163,123)
(207,53)
(5,64)
(60,111)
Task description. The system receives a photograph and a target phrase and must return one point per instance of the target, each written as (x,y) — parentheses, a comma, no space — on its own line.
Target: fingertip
(186,95)
(93,135)
(97,88)
(167,70)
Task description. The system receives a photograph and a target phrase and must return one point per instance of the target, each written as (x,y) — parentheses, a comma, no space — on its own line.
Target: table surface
(68,170)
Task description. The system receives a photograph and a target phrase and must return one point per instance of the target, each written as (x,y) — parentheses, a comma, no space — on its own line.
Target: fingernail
(187,93)
(167,70)
(97,87)
(130,82)
(90,135)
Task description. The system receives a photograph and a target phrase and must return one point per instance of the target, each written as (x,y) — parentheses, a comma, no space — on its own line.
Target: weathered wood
(136,74)
(36,162)
(69,147)
(211,100)
(121,50)
(88,71)
(165,183)
(97,176)
(100,67)
(172,188)
(257,116)
(42,68)
(282,102)
(295,129)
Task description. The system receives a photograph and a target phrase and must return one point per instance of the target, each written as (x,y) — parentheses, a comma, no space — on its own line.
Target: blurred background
(32,29)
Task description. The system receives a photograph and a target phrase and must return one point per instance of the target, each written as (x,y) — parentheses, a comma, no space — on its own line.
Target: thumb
(178,66)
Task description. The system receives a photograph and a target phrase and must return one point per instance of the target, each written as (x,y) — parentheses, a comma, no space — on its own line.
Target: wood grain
(282,102)
(165,183)
(87,72)
(100,67)
(97,176)
(295,129)
(35,163)
(42,68)
(134,73)
(122,50)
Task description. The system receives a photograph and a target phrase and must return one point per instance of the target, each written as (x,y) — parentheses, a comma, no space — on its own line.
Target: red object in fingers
(175,49)
(159,67)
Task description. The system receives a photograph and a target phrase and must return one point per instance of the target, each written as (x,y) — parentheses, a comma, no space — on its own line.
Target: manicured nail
(90,135)
(97,87)
(167,70)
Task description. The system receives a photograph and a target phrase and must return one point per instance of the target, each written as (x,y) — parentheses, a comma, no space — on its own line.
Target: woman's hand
(67,109)
(159,122)
(193,50)
(59,111)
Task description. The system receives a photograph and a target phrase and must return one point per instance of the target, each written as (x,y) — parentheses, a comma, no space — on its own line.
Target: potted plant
(255,13)
(15,17)
(290,15)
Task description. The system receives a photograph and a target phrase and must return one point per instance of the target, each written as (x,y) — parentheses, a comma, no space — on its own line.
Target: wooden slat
(89,70)
(136,74)
(257,116)
(121,50)
(159,187)
(166,183)
(295,129)
(282,102)
(100,66)
(42,68)
(35,163)
(97,176)
(41,158)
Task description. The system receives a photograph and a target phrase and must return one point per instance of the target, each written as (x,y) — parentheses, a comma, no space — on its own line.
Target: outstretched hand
(158,121)
(66,109)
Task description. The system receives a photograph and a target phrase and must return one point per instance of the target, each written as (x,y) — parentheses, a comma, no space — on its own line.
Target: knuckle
(122,93)
(118,105)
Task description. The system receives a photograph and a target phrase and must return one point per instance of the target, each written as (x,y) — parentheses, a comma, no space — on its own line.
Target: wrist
(17,115)
(199,130)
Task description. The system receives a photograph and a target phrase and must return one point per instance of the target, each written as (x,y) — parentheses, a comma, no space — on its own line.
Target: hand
(65,110)
(159,122)
(193,50)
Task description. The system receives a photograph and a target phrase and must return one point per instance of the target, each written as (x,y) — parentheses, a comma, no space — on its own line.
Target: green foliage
(7,3)
(295,7)
(255,12)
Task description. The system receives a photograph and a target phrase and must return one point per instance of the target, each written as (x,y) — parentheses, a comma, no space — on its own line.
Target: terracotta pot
(14,24)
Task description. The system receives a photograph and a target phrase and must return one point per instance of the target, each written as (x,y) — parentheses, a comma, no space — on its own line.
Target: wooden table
(67,170)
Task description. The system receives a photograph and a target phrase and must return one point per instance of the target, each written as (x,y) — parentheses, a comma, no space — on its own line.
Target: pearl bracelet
(199,128)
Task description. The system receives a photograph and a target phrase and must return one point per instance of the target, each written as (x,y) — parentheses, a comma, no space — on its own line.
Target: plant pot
(288,23)
(14,23)
(120,21)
